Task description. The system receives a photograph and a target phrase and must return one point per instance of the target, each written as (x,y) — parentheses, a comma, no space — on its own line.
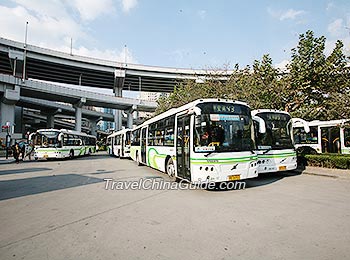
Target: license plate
(282,168)
(46,156)
(234,177)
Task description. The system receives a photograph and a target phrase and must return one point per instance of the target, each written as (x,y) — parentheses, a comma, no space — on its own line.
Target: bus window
(347,137)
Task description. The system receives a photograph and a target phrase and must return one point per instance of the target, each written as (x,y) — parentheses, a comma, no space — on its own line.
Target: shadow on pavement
(25,170)
(261,180)
(22,187)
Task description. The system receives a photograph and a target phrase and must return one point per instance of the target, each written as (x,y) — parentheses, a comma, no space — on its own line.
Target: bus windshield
(46,139)
(278,131)
(224,128)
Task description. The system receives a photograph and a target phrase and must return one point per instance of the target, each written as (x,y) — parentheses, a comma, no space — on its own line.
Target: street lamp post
(25,53)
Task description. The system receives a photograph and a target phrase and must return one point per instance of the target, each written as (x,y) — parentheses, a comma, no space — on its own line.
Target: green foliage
(314,87)
(339,161)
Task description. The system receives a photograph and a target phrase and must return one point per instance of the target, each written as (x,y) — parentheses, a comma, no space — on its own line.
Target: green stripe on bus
(277,155)
(228,159)
(221,162)
(157,155)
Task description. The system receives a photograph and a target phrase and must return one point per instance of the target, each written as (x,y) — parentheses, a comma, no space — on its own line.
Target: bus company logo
(212,160)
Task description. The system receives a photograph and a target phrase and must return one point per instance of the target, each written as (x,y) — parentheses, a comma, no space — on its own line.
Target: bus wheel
(71,154)
(170,169)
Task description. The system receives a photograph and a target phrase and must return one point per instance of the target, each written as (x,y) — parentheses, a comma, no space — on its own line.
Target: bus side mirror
(195,111)
(261,123)
(60,137)
(303,122)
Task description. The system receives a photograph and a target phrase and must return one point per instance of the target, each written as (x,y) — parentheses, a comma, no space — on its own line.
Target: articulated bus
(119,143)
(205,140)
(54,143)
(275,147)
(324,137)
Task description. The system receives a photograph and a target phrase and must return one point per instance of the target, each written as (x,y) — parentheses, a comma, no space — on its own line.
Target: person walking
(16,152)
(29,151)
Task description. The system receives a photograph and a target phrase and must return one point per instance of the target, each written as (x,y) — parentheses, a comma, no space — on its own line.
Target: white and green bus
(205,140)
(331,136)
(275,147)
(63,143)
(118,143)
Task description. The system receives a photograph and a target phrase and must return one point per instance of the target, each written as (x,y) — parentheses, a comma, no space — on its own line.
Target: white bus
(324,137)
(205,140)
(118,143)
(54,143)
(275,147)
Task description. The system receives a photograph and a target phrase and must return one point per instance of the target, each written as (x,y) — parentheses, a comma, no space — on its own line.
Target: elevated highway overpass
(50,65)
(22,66)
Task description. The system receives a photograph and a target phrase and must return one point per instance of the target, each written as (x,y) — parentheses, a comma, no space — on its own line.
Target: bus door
(122,145)
(330,139)
(143,145)
(183,147)
(112,145)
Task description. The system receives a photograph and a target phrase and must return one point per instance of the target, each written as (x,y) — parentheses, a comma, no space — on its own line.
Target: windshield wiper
(209,153)
(268,150)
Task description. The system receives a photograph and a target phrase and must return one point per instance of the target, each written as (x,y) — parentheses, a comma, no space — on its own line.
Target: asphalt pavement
(62,210)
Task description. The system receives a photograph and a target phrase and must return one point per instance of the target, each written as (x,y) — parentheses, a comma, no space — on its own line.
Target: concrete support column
(93,126)
(50,116)
(118,119)
(78,117)
(7,115)
(8,106)
(118,91)
(78,113)
(50,123)
(130,114)
(130,120)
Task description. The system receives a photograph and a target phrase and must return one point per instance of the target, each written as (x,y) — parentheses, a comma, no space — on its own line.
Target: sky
(198,34)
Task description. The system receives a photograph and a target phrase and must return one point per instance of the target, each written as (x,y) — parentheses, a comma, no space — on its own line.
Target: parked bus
(324,137)
(275,147)
(205,140)
(54,143)
(119,143)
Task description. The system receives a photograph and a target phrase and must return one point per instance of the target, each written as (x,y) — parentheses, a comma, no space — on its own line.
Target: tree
(314,87)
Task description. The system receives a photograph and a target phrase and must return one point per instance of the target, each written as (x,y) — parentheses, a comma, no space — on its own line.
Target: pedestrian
(16,151)
(23,150)
(29,151)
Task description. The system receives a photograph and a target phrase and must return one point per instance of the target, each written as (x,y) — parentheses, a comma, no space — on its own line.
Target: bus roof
(256,111)
(66,131)
(123,131)
(188,107)
(339,122)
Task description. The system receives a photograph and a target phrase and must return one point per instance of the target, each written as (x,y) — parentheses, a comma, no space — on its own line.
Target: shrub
(329,160)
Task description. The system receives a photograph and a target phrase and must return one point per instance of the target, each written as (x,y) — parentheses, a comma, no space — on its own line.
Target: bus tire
(71,154)
(170,169)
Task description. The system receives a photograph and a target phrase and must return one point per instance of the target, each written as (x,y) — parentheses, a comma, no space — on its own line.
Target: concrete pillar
(130,120)
(19,125)
(118,91)
(118,119)
(78,117)
(78,113)
(93,125)
(130,116)
(8,115)
(50,116)
(8,105)
(50,123)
